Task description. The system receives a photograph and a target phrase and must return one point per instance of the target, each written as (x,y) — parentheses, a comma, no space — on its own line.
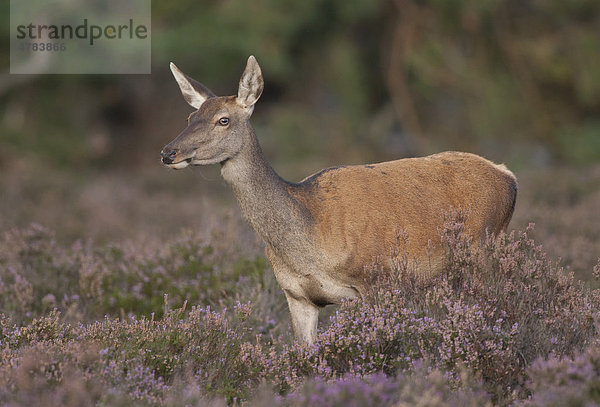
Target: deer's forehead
(214,106)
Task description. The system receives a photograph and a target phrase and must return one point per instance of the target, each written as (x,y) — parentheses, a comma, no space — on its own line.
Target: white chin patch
(206,162)
(179,165)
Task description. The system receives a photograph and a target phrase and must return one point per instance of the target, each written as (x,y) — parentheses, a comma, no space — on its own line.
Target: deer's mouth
(180,164)
(174,159)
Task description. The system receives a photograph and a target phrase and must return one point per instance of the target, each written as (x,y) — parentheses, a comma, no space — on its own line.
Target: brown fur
(359,210)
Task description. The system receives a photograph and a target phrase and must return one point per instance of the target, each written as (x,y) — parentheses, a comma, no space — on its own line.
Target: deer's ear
(251,84)
(193,92)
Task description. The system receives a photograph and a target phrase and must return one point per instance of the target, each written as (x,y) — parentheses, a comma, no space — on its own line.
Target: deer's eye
(224,121)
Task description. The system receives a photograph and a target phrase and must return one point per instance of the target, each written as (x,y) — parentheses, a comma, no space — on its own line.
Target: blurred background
(346,82)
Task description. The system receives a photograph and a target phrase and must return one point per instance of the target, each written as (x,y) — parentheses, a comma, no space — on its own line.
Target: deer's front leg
(305,316)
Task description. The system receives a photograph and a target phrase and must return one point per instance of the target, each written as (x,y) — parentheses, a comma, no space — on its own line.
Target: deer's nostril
(168,156)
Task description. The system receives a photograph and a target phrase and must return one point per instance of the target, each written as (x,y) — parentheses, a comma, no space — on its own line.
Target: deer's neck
(281,221)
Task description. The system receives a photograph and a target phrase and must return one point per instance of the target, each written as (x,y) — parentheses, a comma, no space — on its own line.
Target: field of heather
(124,283)
(137,290)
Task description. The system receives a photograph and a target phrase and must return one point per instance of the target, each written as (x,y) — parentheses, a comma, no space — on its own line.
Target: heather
(197,322)
(87,281)
(566,381)
(126,284)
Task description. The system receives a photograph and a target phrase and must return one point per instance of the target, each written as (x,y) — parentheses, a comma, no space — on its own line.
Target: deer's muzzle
(168,157)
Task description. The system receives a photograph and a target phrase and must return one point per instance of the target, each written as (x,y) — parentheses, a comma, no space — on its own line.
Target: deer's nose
(168,156)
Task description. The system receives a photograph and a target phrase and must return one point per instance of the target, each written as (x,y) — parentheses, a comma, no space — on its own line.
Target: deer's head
(215,131)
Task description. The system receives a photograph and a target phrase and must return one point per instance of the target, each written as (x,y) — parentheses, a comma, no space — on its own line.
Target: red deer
(321,232)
